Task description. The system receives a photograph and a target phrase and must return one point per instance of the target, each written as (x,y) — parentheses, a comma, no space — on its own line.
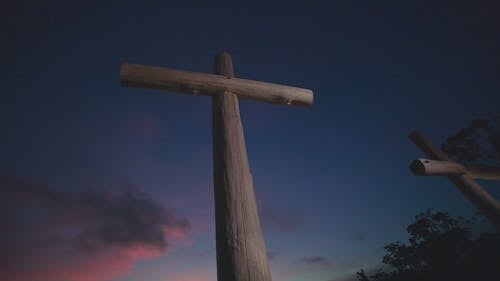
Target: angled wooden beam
(469,188)
(196,83)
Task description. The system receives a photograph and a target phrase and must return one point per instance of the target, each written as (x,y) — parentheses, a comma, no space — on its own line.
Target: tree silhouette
(480,142)
(440,247)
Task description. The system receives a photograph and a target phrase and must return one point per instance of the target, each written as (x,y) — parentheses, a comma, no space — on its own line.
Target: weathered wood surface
(428,167)
(471,189)
(241,252)
(483,172)
(195,83)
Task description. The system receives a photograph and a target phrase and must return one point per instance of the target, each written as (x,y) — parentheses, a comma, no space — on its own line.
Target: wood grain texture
(483,172)
(470,189)
(241,252)
(428,167)
(195,83)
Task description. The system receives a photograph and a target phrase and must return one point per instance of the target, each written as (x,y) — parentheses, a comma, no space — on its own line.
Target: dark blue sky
(332,181)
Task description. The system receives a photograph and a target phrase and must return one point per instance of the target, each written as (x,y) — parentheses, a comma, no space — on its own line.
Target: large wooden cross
(463,177)
(241,251)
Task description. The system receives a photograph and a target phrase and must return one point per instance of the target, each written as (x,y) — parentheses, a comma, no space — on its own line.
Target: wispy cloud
(90,235)
(356,236)
(271,255)
(314,260)
(198,274)
(280,221)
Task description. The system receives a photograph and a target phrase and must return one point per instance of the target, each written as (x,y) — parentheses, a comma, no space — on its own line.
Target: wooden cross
(241,252)
(462,177)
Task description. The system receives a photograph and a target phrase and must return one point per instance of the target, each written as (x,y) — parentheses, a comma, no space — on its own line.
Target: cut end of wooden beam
(417,168)
(414,135)
(223,64)
(223,54)
(417,138)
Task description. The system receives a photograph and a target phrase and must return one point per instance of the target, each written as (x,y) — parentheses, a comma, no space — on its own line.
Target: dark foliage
(478,142)
(440,247)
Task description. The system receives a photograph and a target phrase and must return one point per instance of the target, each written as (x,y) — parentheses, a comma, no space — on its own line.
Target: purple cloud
(314,260)
(53,234)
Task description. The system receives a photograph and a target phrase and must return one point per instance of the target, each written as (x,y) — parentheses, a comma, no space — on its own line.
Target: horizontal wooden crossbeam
(196,83)
(428,167)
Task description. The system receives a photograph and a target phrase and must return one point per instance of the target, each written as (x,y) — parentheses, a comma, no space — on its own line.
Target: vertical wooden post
(241,251)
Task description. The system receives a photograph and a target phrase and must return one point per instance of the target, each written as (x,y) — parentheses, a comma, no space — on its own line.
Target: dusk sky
(100,182)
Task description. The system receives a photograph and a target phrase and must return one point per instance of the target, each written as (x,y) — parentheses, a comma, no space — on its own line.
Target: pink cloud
(88,235)
(203,274)
(146,128)
(59,266)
